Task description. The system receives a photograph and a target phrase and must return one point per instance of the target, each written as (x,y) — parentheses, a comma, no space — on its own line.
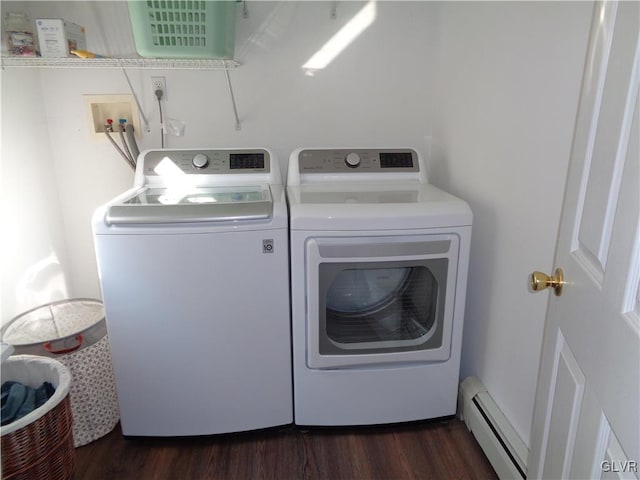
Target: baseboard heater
(506,452)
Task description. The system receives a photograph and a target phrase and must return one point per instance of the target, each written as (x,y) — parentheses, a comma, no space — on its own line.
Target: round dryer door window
(379,308)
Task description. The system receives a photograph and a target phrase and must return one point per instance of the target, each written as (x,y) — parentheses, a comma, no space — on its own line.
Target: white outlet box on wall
(114,107)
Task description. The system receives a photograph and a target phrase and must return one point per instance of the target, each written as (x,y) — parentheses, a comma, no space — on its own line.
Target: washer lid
(188,205)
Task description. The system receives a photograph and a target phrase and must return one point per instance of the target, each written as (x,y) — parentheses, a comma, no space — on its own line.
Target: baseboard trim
(506,452)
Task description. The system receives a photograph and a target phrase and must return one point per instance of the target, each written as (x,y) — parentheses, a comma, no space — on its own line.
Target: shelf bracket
(147,128)
(233,99)
(334,11)
(245,9)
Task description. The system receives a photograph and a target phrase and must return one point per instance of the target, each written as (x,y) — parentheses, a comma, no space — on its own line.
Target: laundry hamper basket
(40,444)
(74,332)
(195,29)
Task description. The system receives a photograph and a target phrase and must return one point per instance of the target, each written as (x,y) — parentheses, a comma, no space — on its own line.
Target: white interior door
(586,419)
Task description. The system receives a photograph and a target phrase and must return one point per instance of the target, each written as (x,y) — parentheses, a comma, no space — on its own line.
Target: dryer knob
(352,160)
(200,160)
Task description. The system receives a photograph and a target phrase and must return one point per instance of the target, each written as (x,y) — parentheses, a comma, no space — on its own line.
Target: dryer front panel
(377,300)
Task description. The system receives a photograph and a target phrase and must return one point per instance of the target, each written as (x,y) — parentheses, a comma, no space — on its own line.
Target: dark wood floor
(426,450)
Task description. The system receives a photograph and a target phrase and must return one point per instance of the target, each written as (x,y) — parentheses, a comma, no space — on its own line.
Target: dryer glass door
(380,300)
(380,308)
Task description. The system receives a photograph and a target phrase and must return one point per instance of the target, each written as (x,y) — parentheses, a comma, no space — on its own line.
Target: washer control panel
(358,160)
(209,162)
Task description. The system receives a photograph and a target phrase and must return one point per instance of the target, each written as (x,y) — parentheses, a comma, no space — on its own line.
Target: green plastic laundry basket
(184,28)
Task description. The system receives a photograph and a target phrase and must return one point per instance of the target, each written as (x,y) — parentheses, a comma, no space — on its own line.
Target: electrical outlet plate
(101,107)
(159,83)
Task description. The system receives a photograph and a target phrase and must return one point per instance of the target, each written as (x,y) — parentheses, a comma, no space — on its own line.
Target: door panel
(611,128)
(586,420)
(566,401)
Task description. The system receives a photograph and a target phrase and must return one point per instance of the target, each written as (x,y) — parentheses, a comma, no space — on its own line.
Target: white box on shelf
(58,37)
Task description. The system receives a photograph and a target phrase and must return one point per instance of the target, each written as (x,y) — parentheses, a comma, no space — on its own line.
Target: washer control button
(352,160)
(200,160)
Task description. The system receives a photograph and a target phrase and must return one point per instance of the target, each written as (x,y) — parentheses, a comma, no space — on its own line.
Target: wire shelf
(142,63)
(130,63)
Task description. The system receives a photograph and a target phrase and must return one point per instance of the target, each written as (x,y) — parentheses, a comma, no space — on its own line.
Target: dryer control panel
(358,160)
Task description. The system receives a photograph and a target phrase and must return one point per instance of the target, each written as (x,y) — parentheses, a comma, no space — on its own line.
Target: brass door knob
(539,281)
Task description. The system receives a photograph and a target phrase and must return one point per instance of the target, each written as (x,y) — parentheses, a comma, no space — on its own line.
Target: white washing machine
(193,264)
(378,276)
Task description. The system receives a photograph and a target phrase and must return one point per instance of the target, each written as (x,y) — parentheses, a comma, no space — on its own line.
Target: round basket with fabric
(39,445)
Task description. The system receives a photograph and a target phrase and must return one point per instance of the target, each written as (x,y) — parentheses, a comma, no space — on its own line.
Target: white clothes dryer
(379,264)
(194,270)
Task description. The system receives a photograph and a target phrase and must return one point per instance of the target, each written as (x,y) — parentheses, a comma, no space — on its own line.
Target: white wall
(33,258)
(508,82)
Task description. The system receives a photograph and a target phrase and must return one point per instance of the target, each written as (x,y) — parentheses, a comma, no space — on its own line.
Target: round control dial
(352,160)
(200,160)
